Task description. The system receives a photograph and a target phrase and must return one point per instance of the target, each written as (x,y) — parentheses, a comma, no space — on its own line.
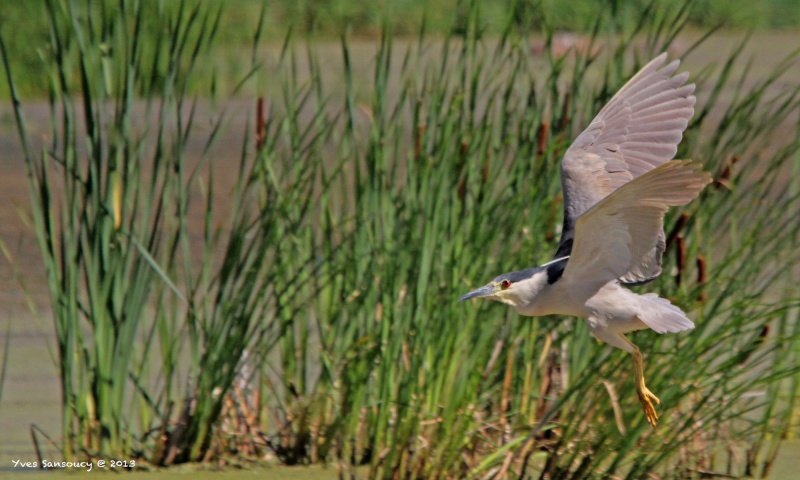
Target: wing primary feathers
(617,235)
(638,130)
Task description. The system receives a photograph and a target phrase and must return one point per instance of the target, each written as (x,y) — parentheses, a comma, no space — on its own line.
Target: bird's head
(513,288)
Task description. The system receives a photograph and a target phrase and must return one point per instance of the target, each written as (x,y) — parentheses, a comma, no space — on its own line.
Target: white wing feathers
(643,123)
(618,234)
(638,130)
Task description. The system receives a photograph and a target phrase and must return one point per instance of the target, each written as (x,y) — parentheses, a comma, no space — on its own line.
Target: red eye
(505,283)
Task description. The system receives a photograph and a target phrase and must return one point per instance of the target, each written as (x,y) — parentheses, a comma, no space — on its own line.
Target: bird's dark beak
(478,292)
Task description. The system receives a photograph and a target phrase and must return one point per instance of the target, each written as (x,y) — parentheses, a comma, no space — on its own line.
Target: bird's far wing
(638,130)
(617,235)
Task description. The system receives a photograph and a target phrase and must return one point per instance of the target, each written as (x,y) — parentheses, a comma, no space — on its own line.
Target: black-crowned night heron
(618,180)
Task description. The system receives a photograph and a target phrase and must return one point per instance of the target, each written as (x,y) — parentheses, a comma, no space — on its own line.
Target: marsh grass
(328,19)
(316,321)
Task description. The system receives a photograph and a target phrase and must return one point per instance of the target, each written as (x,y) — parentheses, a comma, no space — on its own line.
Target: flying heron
(618,181)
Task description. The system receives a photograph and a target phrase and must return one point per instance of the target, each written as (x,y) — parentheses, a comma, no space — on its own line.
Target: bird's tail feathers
(662,316)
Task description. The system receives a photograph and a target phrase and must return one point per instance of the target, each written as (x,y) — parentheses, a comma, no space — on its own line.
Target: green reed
(315,316)
(109,200)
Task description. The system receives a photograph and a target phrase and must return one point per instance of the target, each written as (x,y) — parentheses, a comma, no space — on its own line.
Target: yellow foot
(646,397)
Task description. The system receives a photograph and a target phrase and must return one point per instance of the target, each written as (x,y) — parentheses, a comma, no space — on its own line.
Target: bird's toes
(651,396)
(646,397)
(650,414)
(652,419)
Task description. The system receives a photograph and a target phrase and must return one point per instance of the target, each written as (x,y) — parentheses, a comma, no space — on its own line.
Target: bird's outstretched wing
(618,234)
(638,130)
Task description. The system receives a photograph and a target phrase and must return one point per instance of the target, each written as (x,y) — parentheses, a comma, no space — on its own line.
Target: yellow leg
(646,397)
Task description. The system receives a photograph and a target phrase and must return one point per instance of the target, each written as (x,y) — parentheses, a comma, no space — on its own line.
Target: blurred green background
(25,24)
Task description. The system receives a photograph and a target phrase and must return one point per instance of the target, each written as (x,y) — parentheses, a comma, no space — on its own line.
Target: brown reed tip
(680,258)
(261,131)
(701,276)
